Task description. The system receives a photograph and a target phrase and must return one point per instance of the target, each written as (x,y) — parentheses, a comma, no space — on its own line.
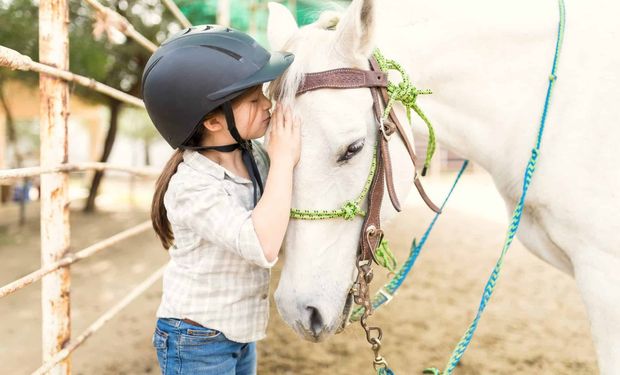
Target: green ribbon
(384,256)
(406,93)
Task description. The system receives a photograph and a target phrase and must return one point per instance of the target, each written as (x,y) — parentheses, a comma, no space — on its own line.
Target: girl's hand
(284,137)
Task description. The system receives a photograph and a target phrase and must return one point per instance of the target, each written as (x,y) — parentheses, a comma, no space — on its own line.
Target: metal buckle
(372,231)
(382,129)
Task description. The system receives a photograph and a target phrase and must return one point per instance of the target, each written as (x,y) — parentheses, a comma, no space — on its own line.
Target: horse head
(339,136)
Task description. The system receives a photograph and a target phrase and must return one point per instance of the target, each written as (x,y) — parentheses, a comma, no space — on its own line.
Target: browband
(342,78)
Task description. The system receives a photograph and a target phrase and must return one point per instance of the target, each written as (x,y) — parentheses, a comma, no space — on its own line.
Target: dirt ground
(534,324)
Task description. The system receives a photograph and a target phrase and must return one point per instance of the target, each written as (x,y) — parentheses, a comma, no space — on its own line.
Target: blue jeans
(184,348)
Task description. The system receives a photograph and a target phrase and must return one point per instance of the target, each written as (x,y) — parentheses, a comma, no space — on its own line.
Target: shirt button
(264,296)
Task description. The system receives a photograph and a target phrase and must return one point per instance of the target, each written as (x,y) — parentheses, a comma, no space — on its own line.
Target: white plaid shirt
(217,275)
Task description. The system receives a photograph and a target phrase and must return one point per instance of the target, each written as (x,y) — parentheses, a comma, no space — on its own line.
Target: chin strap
(246,151)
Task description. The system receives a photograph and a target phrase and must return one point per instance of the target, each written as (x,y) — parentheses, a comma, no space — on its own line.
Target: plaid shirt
(217,275)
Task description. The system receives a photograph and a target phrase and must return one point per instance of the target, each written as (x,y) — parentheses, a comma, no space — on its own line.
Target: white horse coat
(488,63)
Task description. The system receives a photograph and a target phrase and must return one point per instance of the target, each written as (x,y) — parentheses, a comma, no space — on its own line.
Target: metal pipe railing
(14,60)
(108,315)
(11,174)
(110,18)
(72,258)
(55,230)
(177,13)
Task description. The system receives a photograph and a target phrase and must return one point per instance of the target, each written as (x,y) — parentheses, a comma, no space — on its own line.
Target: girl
(222,222)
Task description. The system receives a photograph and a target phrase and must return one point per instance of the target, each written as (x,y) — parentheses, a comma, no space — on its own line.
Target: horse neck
(487,65)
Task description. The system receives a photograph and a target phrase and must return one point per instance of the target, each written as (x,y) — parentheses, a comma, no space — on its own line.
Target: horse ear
(281,25)
(356,29)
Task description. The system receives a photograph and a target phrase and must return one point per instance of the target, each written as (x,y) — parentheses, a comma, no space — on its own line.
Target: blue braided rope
(385,371)
(516,217)
(380,298)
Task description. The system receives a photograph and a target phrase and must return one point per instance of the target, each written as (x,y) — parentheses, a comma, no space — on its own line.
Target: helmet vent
(224,51)
(208,27)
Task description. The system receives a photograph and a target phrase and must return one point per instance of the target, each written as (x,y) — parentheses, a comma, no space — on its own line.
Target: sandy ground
(535,323)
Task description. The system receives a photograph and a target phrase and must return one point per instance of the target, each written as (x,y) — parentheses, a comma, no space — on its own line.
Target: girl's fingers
(272,121)
(287,117)
(279,117)
(294,121)
(296,127)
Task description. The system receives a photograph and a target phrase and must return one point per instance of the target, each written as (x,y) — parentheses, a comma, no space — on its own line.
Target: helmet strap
(225,148)
(245,146)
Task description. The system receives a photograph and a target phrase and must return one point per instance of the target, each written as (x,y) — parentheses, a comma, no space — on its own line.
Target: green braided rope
(349,210)
(384,256)
(385,371)
(407,94)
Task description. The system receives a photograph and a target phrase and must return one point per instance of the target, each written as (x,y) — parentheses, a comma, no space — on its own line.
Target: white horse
(488,63)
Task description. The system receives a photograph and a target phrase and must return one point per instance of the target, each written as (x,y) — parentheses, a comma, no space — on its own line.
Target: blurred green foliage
(251,15)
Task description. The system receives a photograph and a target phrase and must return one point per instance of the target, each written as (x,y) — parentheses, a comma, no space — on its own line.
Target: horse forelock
(302,44)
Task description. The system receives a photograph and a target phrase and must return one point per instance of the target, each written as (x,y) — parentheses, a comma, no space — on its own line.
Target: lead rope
(386,293)
(516,217)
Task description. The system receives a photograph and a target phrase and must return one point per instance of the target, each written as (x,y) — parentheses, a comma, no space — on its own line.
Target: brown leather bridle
(376,81)
(371,233)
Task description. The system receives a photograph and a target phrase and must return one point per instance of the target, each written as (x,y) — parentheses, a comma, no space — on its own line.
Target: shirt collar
(201,163)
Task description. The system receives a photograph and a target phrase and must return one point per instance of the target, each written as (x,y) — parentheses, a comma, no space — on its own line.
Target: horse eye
(352,150)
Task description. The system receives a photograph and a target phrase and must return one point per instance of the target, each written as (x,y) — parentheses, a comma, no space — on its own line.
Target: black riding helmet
(200,69)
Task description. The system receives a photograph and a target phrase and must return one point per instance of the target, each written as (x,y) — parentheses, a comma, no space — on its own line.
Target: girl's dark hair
(159,215)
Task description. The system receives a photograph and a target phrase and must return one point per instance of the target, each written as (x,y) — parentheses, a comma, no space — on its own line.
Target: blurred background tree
(116,65)
(137,125)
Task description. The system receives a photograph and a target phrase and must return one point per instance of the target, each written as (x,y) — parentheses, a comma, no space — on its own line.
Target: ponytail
(159,215)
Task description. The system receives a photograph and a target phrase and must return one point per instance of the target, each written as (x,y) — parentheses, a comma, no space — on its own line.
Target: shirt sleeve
(217,218)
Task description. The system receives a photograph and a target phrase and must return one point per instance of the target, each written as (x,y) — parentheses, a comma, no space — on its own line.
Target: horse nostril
(316,320)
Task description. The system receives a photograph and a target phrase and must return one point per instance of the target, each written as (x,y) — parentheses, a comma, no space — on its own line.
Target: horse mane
(284,88)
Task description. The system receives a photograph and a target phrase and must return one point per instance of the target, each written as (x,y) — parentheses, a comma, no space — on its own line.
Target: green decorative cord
(349,210)
(407,94)
(384,256)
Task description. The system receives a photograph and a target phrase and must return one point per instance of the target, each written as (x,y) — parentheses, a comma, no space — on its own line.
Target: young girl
(221,219)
